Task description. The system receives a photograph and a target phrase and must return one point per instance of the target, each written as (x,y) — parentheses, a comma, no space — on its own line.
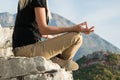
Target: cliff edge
(37,68)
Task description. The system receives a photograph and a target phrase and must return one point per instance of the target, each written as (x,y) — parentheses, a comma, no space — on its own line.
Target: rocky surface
(37,68)
(6,52)
(5,41)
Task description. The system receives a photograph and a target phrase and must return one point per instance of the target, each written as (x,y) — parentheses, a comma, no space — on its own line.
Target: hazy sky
(104,14)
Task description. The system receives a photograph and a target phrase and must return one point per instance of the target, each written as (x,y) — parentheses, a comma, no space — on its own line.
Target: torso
(26,29)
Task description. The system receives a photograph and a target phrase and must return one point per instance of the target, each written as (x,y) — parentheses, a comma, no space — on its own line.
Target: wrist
(78,28)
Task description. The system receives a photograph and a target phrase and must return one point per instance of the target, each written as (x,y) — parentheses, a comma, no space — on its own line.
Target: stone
(55,75)
(6,52)
(37,68)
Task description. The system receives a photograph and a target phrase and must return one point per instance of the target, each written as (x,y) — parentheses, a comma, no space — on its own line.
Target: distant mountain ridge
(7,19)
(91,42)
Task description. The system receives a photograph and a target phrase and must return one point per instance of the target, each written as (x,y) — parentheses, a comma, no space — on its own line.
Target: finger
(83,23)
(92,27)
(86,25)
(92,31)
(88,32)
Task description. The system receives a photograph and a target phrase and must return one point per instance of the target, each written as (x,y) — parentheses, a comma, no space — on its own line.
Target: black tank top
(26,29)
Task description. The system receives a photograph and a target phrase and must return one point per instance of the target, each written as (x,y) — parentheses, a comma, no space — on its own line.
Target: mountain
(91,43)
(101,65)
(7,19)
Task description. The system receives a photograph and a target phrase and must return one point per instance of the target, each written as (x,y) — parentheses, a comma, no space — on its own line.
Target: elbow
(43,30)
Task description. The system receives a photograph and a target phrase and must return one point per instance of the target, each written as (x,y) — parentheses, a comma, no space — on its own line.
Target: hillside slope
(100,65)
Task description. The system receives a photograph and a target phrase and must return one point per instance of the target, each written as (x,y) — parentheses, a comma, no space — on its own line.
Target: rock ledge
(37,68)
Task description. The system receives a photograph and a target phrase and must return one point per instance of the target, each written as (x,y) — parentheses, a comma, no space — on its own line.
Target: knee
(77,38)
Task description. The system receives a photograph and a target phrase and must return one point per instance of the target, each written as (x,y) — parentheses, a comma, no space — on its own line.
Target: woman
(31,24)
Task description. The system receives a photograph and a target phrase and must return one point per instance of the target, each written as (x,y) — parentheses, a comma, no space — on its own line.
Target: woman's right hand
(85,30)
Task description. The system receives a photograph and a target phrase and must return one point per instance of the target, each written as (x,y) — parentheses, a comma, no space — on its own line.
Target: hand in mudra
(85,30)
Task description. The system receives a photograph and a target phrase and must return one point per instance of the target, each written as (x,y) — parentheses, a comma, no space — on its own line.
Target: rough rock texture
(6,52)
(37,68)
(6,42)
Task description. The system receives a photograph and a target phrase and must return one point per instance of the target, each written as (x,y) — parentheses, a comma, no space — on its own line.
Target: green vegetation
(106,69)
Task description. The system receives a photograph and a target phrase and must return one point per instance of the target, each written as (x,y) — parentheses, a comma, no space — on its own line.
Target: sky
(103,14)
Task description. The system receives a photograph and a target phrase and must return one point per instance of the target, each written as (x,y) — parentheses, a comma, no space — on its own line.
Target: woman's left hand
(86,30)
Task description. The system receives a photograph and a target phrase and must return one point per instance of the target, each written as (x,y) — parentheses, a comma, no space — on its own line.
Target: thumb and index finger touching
(91,29)
(87,26)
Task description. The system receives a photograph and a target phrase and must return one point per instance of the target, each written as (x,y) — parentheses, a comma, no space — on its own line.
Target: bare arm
(46,30)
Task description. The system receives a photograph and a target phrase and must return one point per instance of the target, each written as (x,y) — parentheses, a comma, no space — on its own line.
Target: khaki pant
(66,45)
